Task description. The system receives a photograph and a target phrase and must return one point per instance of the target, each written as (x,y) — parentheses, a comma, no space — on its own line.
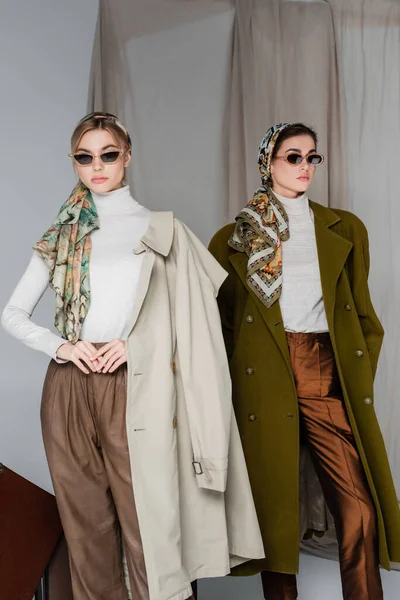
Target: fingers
(104,349)
(116,350)
(117,364)
(111,357)
(106,359)
(85,353)
(80,365)
(90,351)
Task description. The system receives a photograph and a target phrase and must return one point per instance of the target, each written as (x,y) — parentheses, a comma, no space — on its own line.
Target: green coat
(271,441)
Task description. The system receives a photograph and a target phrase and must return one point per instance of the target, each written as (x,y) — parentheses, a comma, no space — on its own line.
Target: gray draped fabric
(198,82)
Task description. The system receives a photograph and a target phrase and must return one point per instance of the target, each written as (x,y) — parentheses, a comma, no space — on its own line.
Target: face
(101,176)
(290,180)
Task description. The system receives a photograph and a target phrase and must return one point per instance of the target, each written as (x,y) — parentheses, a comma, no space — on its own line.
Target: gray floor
(318,579)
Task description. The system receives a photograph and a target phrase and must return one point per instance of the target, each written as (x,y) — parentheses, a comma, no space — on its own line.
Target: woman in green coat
(303,342)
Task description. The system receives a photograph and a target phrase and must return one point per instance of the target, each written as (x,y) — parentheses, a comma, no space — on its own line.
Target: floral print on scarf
(65,248)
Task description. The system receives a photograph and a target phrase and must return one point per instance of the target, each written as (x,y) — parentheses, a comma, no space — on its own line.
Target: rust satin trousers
(326,430)
(83,424)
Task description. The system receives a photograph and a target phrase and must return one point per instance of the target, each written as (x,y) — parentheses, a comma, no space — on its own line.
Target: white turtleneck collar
(295,206)
(114,203)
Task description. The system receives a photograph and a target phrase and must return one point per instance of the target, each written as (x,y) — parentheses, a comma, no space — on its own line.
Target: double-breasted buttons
(347,307)
(175,422)
(249,371)
(252,417)
(367,400)
(249,318)
(173,367)
(359,353)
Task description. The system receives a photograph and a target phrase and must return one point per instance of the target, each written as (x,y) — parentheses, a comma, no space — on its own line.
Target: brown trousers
(326,430)
(83,424)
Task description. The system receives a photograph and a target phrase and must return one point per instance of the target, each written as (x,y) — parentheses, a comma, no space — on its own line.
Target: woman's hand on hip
(110,356)
(80,354)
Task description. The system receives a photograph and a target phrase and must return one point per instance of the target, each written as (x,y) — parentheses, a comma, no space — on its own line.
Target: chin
(301,188)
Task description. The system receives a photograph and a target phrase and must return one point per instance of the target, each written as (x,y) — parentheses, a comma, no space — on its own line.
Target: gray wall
(45,52)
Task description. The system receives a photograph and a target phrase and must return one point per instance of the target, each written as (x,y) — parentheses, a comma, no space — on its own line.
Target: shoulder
(219,243)
(350,226)
(345,223)
(348,218)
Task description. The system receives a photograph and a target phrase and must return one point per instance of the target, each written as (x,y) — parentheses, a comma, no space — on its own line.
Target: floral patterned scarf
(65,248)
(261,227)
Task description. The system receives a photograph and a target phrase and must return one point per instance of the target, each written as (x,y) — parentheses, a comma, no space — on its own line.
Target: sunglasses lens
(294,159)
(83,159)
(109,157)
(315,159)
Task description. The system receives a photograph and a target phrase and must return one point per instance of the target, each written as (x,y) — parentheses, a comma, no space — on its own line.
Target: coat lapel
(157,239)
(333,251)
(143,285)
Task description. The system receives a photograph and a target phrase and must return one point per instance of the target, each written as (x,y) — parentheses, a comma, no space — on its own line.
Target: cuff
(211,474)
(57,343)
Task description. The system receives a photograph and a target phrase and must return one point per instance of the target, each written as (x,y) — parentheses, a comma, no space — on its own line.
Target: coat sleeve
(202,358)
(226,293)
(358,274)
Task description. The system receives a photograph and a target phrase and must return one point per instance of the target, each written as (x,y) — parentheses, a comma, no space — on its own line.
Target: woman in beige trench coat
(140,436)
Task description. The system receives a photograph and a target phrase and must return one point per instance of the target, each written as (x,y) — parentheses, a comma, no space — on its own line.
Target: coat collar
(159,235)
(333,251)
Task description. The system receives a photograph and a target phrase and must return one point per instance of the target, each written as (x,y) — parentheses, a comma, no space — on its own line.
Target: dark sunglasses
(107,158)
(294,158)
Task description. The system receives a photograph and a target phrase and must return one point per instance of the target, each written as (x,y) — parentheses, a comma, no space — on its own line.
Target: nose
(304,165)
(97,163)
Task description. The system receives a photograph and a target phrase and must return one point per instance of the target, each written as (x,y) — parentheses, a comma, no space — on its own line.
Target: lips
(98,179)
(303,178)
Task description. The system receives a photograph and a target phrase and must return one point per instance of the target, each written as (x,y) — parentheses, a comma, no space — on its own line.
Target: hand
(110,356)
(79,353)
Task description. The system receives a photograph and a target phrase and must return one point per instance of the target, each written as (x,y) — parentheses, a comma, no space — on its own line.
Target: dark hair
(292,131)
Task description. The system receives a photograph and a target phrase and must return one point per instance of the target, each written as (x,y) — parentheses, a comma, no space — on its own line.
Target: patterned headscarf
(261,227)
(65,249)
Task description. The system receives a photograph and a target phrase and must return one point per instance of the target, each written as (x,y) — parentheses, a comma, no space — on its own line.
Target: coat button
(347,307)
(249,318)
(252,417)
(359,353)
(175,422)
(249,371)
(173,367)
(367,400)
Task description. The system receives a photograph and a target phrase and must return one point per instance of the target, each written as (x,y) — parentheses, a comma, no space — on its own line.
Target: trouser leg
(81,485)
(338,465)
(110,391)
(278,586)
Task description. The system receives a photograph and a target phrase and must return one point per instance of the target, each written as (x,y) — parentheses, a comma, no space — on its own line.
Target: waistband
(322,336)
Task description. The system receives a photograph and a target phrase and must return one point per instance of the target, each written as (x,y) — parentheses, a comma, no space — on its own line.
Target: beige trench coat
(194,503)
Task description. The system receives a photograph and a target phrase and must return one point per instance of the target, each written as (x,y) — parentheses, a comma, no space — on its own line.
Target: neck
(286,192)
(116,202)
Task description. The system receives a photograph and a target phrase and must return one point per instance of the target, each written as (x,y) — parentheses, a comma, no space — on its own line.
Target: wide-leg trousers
(326,430)
(84,433)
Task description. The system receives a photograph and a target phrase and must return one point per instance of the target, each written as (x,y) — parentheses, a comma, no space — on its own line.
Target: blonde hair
(104,121)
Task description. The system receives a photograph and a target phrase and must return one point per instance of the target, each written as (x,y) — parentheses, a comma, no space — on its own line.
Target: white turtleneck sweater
(301,301)
(114,275)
